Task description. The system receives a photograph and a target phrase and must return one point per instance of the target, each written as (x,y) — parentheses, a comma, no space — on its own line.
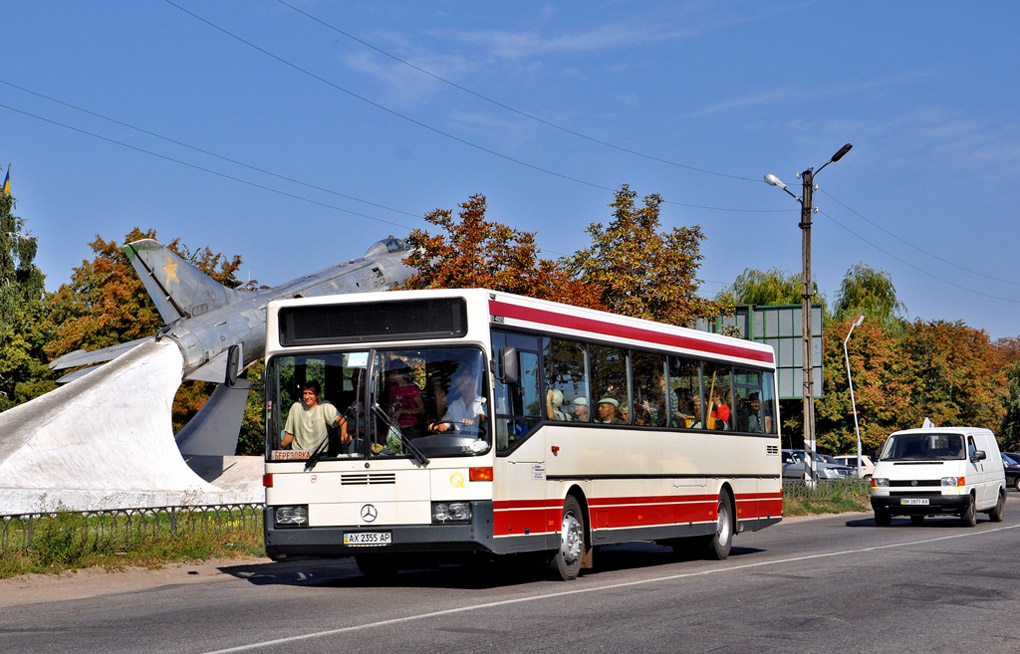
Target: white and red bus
(480,422)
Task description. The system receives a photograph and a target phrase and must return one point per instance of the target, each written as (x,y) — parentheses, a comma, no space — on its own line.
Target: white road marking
(595,589)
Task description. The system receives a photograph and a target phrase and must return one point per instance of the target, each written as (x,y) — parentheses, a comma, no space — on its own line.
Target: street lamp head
(843,150)
(775,181)
(858,320)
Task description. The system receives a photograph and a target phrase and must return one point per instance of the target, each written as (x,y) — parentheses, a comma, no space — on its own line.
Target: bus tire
(969,516)
(376,566)
(565,564)
(995,515)
(719,544)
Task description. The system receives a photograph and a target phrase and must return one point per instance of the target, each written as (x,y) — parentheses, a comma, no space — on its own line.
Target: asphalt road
(835,583)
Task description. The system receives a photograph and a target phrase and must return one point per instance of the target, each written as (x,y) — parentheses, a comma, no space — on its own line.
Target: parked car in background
(867,465)
(1011,466)
(794,467)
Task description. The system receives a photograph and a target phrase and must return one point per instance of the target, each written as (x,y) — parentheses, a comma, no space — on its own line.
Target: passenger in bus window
(690,416)
(580,409)
(466,412)
(720,413)
(754,418)
(309,420)
(607,408)
(554,404)
(406,404)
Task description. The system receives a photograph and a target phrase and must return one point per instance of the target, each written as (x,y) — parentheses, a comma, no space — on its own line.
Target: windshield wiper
(418,455)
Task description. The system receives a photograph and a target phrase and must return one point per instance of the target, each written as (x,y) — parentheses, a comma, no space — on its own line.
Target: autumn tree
(23,373)
(640,272)
(475,252)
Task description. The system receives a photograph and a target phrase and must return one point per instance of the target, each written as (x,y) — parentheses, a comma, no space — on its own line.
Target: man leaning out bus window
(309,420)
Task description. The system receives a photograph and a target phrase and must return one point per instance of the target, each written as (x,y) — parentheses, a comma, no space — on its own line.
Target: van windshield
(923,446)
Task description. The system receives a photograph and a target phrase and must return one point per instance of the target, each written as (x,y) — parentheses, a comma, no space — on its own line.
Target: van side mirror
(979,455)
(508,364)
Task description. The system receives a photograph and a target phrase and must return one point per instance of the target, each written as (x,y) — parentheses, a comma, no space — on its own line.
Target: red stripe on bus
(579,323)
(533,517)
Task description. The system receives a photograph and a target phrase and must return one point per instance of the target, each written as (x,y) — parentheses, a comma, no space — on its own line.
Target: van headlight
(953,481)
(879,482)
(292,516)
(443,512)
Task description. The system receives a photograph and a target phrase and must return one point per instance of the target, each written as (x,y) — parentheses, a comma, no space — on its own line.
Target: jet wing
(83,358)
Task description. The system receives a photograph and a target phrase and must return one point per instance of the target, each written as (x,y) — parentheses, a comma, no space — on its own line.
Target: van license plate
(914,501)
(368,538)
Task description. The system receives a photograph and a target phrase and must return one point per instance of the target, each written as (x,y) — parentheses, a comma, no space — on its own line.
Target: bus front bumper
(287,543)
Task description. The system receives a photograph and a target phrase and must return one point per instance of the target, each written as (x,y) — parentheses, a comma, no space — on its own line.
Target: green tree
(23,373)
(1009,429)
(764,288)
(870,292)
(640,272)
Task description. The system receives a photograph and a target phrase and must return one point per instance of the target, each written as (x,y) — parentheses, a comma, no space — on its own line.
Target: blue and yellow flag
(7,181)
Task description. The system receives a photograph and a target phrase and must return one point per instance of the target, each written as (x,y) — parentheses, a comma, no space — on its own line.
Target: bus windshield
(373,403)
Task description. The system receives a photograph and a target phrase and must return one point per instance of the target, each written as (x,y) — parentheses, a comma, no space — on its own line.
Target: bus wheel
(566,562)
(377,567)
(720,543)
(969,515)
(995,515)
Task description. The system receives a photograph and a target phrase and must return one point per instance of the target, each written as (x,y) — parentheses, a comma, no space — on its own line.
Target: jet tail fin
(177,288)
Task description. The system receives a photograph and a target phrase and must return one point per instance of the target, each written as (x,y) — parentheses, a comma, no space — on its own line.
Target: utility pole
(806,209)
(806,293)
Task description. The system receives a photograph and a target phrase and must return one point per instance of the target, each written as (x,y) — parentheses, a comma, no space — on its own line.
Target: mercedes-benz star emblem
(369,513)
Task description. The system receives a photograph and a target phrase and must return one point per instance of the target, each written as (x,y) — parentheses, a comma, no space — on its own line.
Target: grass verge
(838,496)
(69,541)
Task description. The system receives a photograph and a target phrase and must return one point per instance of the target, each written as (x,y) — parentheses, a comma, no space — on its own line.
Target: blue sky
(307,145)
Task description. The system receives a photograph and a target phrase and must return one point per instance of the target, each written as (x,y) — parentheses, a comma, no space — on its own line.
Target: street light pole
(853,405)
(805,200)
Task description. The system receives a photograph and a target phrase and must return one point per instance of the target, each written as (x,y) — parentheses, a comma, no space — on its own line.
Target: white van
(939,471)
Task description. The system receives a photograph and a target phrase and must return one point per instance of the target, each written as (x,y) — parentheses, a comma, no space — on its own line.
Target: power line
(502,105)
(921,250)
(207,152)
(917,268)
(197,167)
(436,130)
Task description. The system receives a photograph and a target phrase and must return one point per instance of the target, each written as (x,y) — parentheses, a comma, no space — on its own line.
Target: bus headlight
(879,482)
(292,516)
(954,481)
(443,512)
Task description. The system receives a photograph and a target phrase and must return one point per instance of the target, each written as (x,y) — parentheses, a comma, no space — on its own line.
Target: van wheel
(969,515)
(883,518)
(718,546)
(917,519)
(995,515)
(566,562)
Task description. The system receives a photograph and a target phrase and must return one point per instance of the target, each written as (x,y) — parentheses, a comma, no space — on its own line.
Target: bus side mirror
(508,364)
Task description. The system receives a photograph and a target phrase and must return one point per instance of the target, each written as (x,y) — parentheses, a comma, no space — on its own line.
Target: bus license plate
(367,538)
(914,501)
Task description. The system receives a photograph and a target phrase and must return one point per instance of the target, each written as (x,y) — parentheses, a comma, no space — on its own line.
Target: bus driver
(467,410)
